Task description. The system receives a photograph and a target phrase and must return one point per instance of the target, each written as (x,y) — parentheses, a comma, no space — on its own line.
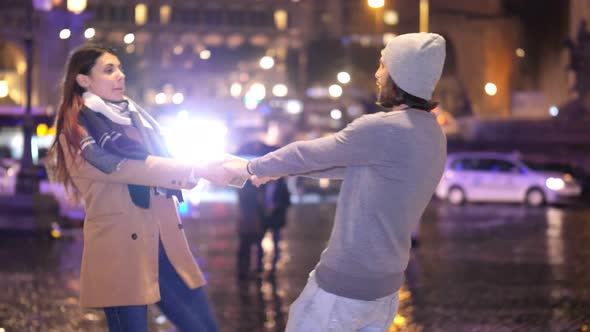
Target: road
(477,268)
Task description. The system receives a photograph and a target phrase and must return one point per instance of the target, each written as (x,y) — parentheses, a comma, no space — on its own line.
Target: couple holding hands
(110,153)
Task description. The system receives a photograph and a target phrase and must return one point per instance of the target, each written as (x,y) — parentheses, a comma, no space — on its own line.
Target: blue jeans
(187,308)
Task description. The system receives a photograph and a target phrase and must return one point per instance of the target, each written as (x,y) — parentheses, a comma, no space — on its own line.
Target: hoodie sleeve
(356,145)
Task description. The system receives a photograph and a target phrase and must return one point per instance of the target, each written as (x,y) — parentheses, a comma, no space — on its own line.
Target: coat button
(180,226)
(173,181)
(134,236)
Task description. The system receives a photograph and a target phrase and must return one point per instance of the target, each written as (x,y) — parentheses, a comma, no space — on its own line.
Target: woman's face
(106,79)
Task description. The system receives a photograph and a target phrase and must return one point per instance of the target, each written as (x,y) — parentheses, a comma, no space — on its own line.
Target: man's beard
(386,95)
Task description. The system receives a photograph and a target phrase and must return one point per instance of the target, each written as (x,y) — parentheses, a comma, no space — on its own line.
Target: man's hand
(258,181)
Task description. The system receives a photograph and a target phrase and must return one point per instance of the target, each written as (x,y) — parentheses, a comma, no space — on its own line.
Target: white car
(501,177)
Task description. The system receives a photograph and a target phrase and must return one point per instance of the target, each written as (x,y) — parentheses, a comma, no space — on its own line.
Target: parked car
(67,208)
(502,177)
(579,174)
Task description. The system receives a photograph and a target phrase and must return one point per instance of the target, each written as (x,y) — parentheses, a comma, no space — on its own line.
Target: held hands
(239,167)
(231,171)
(213,171)
(258,181)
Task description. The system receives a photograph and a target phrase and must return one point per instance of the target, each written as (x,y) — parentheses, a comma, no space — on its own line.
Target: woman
(110,152)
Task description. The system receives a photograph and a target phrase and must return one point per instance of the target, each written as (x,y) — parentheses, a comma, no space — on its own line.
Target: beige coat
(120,258)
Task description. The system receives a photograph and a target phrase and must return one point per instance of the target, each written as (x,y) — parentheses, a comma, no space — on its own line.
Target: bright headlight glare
(197,139)
(555,183)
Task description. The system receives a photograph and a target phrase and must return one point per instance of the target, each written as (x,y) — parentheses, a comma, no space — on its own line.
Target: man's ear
(83,80)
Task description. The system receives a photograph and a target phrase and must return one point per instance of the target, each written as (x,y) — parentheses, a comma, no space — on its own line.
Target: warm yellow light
(3,88)
(89,33)
(205,54)
(160,98)
(165,13)
(129,38)
(399,320)
(491,89)
(294,106)
(257,91)
(520,52)
(177,98)
(267,62)
(178,49)
(324,183)
(336,114)
(281,19)
(376,3)
(424,12)
(76,6)
(280,90)
(141,14)
(391,17)
(235,90)
(42,129)
(65,34)
(343,77)
(21,67)
(335,91)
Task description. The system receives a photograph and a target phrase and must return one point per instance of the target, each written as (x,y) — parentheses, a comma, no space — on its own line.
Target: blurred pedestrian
(251,207)
(110,152)
(250,228)
(277,200)
(391,163)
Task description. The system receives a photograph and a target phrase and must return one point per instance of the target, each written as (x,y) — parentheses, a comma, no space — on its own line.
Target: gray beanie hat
(415,62)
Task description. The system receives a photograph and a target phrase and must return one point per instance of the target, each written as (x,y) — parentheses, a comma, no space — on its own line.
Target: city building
(295,68)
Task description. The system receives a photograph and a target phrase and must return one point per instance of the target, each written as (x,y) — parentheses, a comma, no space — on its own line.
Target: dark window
(185,16)
(504,166)
(121,14)
(261,19)
(464,164)
(154,14)
(236,18)
(213,17)
(483,164)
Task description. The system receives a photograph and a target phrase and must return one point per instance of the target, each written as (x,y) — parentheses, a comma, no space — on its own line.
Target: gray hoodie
(390,163)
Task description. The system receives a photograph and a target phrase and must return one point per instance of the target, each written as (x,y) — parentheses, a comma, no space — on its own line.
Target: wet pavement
(477,268)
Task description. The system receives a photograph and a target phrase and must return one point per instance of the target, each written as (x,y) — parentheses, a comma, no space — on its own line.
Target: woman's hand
(215,172)
(237,167)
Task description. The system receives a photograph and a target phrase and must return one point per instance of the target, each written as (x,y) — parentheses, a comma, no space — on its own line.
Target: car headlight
(555,183)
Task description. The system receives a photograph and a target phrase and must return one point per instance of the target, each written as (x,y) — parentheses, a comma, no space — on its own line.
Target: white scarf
(97,104)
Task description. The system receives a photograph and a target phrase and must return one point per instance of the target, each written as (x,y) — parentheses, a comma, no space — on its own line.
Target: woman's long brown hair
(80,61)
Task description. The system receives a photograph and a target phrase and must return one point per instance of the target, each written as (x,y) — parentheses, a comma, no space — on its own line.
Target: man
(391,163)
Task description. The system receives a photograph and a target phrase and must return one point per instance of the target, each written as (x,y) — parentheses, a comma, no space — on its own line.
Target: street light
(424,11)
(376,3)
(3,88)
(76,6)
